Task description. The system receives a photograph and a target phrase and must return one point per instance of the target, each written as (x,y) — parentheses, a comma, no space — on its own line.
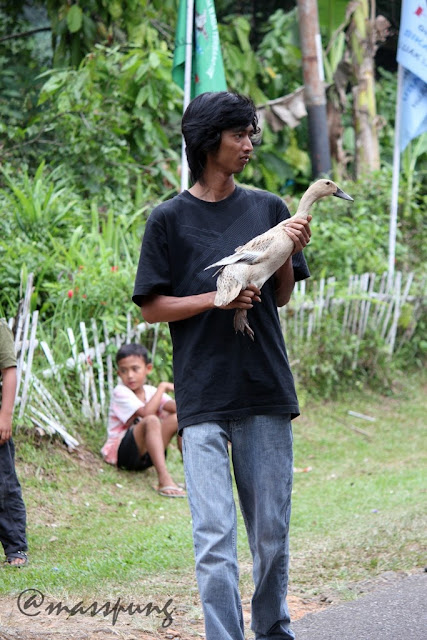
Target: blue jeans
(261,449)
(12,508)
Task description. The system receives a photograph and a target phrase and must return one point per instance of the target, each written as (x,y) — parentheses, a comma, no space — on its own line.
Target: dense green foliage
(90,138)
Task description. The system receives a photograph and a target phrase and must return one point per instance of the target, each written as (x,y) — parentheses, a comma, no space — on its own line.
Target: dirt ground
(14,625)
(187,622)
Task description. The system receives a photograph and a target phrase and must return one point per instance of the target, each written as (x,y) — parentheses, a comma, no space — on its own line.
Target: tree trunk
(314,87)
(363,45)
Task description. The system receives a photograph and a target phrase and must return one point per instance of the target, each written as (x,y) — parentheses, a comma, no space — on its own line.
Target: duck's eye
(327,182)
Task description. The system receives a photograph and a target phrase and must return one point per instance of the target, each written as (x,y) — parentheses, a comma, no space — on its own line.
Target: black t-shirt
(218,374)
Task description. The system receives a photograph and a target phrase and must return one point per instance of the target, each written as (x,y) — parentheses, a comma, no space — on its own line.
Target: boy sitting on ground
(142,420)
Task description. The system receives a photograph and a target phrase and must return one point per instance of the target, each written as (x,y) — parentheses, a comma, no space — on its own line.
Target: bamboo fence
(368,302)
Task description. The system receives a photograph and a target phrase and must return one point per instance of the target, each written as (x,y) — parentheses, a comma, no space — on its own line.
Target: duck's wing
(260,244)
(247,257)
(249,253)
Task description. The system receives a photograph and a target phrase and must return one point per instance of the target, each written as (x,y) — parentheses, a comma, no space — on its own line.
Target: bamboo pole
(401,300)
(100,367)
(71,442)
(45,396)
(381,297)
(391,288)
(29,364)
(368,303)
(109,360)
(57,374)
(83,380)
(22,347)
(24,311)
(347,304)
(321,302)
(89,371)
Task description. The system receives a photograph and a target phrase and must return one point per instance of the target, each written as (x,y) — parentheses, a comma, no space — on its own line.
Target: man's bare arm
(285,283)
(299,231)
(159,308)
(7,403)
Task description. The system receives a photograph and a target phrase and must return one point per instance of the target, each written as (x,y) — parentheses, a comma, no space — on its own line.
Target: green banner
(207,72)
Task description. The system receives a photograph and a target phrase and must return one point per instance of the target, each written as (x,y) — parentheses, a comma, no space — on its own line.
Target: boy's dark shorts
(128,456)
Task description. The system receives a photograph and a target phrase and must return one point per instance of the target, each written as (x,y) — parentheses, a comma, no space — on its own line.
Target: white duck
(258,259)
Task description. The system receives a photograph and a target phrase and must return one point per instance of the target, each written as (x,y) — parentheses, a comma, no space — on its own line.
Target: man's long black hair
(206,117)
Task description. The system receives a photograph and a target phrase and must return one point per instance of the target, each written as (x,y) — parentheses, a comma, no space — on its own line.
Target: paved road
(393,612)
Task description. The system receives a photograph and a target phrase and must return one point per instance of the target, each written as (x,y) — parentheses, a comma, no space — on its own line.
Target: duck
(257,260)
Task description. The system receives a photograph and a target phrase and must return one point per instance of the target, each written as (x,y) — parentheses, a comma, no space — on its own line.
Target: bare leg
(148,437)
(169,429)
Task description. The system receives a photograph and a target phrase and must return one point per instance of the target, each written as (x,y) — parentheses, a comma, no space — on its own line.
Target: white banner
(412,46)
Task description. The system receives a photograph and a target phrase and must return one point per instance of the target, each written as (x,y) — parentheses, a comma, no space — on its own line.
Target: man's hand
(245,299)
(5,429)
(299,231)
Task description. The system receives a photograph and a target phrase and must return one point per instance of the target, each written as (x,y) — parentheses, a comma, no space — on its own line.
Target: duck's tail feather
(246,257)
(224,261)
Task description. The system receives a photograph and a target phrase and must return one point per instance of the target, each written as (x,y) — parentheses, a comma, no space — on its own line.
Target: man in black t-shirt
(227,388)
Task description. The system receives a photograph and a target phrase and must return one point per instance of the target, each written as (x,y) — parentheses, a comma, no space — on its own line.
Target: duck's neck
(305,204)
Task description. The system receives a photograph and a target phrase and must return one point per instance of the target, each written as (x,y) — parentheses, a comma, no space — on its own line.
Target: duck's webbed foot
(241,323)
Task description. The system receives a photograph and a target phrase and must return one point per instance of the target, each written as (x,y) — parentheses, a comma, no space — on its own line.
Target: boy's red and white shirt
(124,403)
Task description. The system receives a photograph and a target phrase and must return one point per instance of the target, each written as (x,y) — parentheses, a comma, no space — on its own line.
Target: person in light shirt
(142,420)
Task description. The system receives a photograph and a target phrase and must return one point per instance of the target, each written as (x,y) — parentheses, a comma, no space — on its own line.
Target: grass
(358,512)
(95,532)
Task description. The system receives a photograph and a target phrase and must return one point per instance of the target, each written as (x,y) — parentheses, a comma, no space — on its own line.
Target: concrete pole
(314,89)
